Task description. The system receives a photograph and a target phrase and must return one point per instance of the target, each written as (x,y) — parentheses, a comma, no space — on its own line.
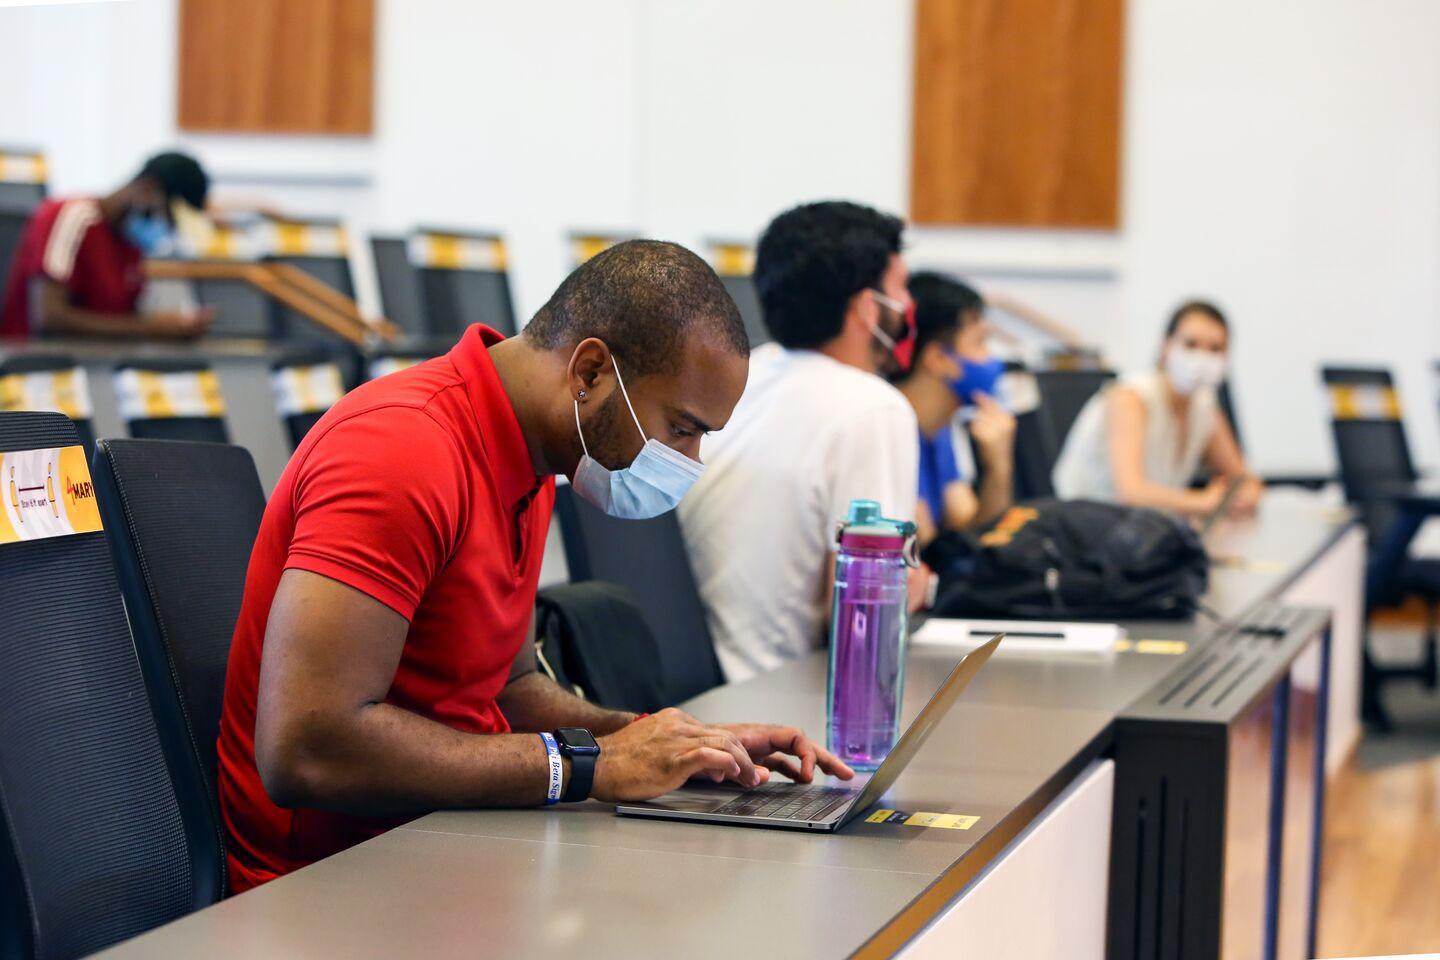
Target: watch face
(577,738)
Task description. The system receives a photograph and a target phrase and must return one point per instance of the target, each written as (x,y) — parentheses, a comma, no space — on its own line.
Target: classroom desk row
(1036,751)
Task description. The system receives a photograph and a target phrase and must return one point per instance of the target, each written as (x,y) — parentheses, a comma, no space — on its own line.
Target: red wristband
(640,716)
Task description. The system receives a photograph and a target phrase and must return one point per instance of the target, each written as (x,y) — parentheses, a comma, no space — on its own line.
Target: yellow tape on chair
(61,391)
(152,395)
(22,168)
(443,251)
(308,240)
(311,389)
(1350,401)
(48,493)
(732,259)
(588,246)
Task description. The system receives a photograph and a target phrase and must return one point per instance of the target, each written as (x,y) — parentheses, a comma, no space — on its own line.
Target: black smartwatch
(579,745)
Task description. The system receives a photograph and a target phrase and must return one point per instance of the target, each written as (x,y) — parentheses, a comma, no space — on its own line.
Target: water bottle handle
(912,551)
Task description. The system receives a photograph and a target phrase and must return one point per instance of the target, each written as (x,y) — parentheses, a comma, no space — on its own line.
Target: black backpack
(592,640)
(1072,559)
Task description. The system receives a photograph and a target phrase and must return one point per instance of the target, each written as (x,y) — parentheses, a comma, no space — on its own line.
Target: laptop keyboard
(785,801)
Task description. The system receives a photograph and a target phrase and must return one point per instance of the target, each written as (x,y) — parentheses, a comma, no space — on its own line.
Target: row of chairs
(115,657)
(169,398)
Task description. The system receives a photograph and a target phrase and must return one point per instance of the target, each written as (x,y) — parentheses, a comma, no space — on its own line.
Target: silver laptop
(814,806)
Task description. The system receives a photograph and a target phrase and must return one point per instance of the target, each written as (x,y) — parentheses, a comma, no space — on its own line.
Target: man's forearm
(385,760)
(76,320)
(534,702)
(997,492)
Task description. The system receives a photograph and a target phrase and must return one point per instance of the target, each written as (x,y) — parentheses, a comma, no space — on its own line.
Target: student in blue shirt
(954,373)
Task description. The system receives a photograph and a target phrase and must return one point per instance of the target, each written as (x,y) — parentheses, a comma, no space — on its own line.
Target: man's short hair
(643,298)
(180,176)
(942,306)
(812,259)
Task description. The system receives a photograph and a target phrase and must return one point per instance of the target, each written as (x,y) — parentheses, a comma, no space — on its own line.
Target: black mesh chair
(1378,476)
(22,177)
(170,398)
(97,842)
(318,247)
(182,583)
(648,557)
(14,216)
(734,263)
(307,382)
(401,299)
(463,280)
(48,381)
(1063,394)
(1020,393)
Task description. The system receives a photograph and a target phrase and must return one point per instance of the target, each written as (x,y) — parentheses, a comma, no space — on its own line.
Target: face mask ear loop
(876,331)
(579,431)
(621,380)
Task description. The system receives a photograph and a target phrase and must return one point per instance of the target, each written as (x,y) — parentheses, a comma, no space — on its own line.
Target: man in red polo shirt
(381,665)
(77,268)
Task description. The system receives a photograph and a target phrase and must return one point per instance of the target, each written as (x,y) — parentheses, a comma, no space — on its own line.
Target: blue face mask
(976,377)
(148,232)
(654,483)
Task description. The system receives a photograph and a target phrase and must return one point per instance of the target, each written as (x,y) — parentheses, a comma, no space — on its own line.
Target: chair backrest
(648,557)
(241,310)
(1063,394)
(98,842)
(182,582)
(1369,432)
(465,280)
(1226,398)
(49,381)
(1020,393)
(735,263)
(307,382)
(14,216)
(23,176)
(321,248)
(171,398)
(585,244)
(401,299)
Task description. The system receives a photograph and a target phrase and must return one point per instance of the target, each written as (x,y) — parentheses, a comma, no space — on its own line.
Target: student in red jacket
(77,269)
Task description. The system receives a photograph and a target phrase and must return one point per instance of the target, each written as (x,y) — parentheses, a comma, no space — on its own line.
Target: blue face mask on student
(976,377)
(654,483)
(149,232)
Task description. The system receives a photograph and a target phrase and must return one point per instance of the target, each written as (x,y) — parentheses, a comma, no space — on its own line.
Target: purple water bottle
(867,634)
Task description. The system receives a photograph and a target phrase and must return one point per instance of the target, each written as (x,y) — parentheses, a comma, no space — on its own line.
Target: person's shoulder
(410,410)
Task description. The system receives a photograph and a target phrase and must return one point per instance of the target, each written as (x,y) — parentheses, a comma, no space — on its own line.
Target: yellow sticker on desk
(48,493)
(1172,647)
(945,821)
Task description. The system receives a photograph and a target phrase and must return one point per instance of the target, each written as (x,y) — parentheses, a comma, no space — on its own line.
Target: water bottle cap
(865,528)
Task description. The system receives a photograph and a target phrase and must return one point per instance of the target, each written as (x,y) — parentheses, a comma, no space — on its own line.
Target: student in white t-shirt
(1141,440)
(817,427)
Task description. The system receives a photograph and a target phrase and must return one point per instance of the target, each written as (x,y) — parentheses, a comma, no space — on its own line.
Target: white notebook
(1027,638)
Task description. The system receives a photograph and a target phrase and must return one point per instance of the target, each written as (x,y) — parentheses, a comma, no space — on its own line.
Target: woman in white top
(1142,440)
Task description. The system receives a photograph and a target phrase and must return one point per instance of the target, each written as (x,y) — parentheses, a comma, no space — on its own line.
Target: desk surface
(581,881)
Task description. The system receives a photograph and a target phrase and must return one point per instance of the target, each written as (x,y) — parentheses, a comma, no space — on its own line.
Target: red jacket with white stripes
(69,242)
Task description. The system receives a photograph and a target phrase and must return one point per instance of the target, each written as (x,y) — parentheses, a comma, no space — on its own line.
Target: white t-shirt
(1082,471)
(809,435)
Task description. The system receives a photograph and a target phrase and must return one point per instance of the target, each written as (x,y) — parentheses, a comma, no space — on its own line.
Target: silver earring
(582,394)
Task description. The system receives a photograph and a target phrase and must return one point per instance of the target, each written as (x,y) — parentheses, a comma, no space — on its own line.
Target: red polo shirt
(416,489)
(69,242)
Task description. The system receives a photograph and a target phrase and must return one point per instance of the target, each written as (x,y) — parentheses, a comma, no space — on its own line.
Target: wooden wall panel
(1017,112)
(277,66)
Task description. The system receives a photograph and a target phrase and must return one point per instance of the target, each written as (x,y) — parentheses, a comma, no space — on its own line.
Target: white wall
(1282,157)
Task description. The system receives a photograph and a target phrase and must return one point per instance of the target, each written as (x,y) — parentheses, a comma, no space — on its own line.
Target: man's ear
(861,314)
(590,364)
